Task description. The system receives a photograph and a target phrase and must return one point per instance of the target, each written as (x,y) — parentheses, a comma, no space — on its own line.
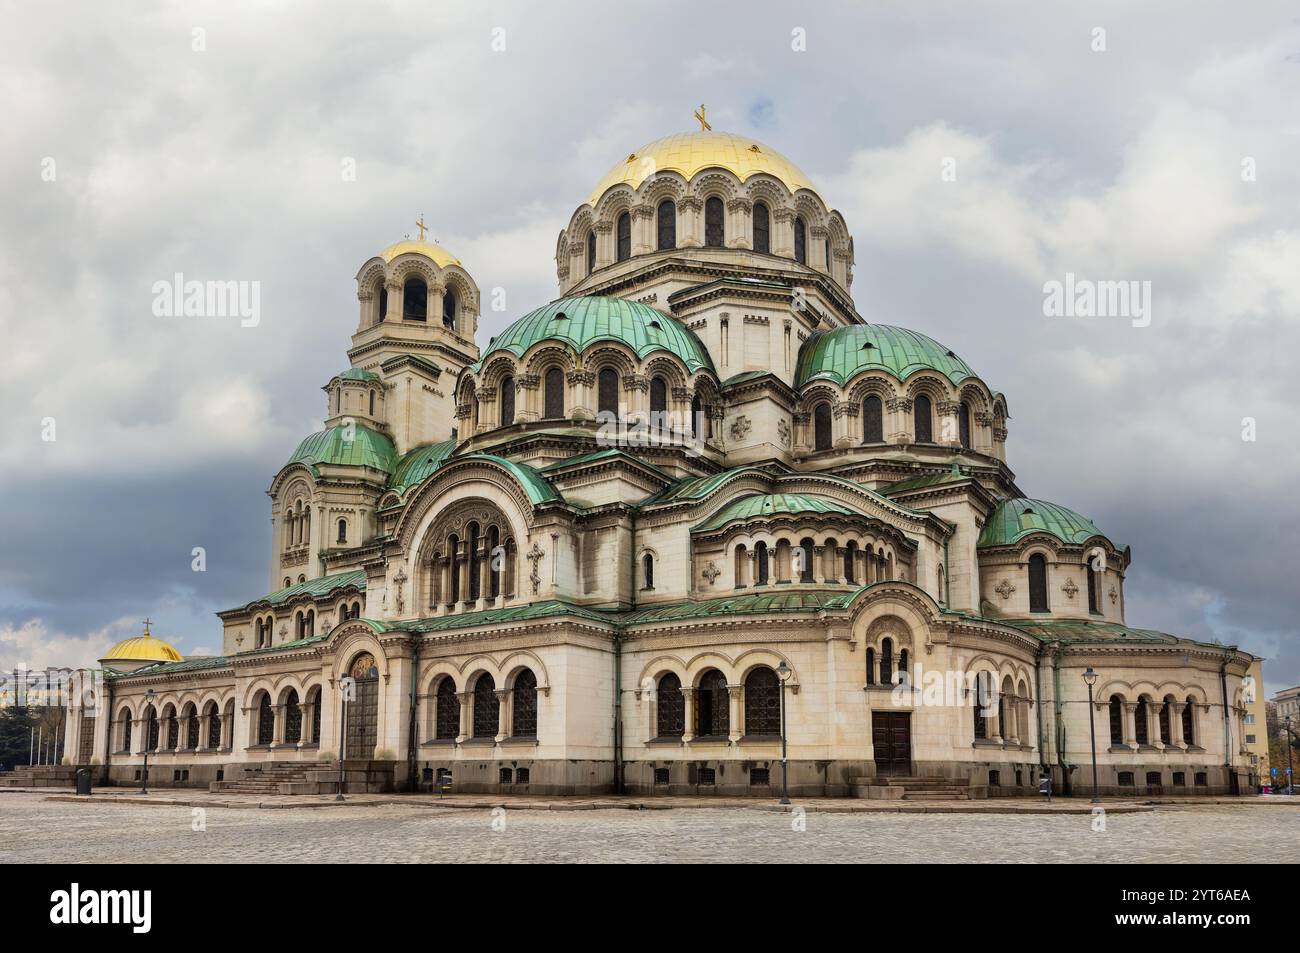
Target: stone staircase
(917,788)
(40,776)
(285,777)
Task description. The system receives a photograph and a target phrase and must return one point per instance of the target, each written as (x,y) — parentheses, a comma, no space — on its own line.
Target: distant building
(1255,727)
(1288,703)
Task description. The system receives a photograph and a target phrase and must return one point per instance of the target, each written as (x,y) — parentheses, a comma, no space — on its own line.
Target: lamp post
(1290,772)
(1090,678)
(783,673)
(149,696)
(343,738)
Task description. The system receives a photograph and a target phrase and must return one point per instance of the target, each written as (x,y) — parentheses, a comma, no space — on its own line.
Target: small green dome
(1012,520)
(357,374)
(366,448)
(842,354)
(419,463)
(770,504)
(582,321)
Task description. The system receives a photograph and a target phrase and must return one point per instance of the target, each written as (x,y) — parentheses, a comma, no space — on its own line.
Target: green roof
(842,354)
(198,663)
(1083,630)
(587,320)
(316,588)
(534,484)
(792,600)
(417,464)
(953,475)
(1012,520)
(770,504)
(357,374)
(534,610)
(367,448)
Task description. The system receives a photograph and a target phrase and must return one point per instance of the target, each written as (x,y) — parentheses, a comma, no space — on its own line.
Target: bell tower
(419,311)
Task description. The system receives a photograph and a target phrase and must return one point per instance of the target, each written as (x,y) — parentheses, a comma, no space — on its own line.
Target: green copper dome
(357,374)
(419,463)
(366,448)
(1012,520)
(842,354)
(583,321)
(770,504)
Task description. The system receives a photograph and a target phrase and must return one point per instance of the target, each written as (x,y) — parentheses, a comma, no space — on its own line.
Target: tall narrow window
(850,563)
(214,726)
(658,404)
(449,309)
(760,558)
(762,703)
(1093,602)
(648,571)
(871,666)
(873,420)
(712,712)
(963,424)
(1141,723)
(607,391)
(670,717)
(494,564)
(381,297)
(292,718)
(1116,720)
(1189,738)
(822,427)
(800,241)
(453,549)
(667,225)
(554,393)
(507,401)
(1166,736)
(978,696)
(714,231)
(886,661)
(343,531)
(447,717)
(806,554)
(524,706)
(415,300)
(475,564)
(265,720)
(1038,583)
(372,403)
(487,708)
(591,251)
(762,228)
(826,246)
(924,419)
(624,237)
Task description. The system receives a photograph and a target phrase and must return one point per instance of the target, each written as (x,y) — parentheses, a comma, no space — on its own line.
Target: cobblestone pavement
(34,830)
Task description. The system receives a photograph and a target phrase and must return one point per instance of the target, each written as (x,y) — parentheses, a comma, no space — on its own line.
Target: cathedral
(696,526)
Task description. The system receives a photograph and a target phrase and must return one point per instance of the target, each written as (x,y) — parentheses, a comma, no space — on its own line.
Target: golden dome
(690,152)
(440,255)
(143,648)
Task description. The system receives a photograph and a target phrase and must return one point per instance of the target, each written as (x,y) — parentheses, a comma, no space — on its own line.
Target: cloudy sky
(136,148)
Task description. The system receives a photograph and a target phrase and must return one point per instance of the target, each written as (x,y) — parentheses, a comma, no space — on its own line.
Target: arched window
(607,391)
(667,225)
(487,708)
(313,699)
(670,717)
(292,718)
(1141,722)
(826,247)
(554,394)
(963,424)
(494,563)
(265,720)
(191,718)
(658,404)
(760,557)
(822,427)
(372,403)
(415,300)
(453,551)
(591,251)
(1189,716)
(1166,734)
(648,571)
(1038,583)
(800,241)
(624,237)
(762,703)
(924,417)
(343,531)
(151,724)
(525,705)
(871,666)
(507,401)
(381,301)
(1116,720)
(714,231)
(214,726)
(902,666)
(851,563)
(1094,604)
(886,661)
(697,416)
(126,730)
(979,698)
(475,564)
(873,420)
(449,309)
(447,711)
(762,228)
(807,550)
(713,719)
(173,729)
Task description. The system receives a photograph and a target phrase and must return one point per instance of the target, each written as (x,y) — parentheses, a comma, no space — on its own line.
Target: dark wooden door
(363,720)
(891,738)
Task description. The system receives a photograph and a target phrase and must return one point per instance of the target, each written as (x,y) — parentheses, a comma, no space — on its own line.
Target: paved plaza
(36,830)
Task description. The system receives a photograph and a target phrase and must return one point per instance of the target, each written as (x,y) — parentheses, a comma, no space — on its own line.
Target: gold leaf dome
(440,255)
(143,648)
(691,152)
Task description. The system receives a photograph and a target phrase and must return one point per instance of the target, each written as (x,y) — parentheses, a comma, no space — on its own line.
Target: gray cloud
(226,164)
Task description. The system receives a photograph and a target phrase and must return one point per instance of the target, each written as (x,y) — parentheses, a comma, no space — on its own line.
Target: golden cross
(146,626)
(704,123)
(421,226)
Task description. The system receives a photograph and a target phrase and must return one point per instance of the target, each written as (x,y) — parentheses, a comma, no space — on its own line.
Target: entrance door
(362,713)
(891,737)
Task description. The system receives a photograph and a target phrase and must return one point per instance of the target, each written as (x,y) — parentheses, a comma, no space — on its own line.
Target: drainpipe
(1038,708)
(413,734)
(618,677)
(1227,729)
(947,578)
(108,740)
(1060,721)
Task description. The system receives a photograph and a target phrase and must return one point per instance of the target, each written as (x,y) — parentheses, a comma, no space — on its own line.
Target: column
(690,224)
(1176,725)
(505,715)
(394,312)
(644,238)
(1130,724)
(433,304)
(466,598)
(1011,715)
(688,711)
(736,712)
(739,229)
(484,567)
(466,725)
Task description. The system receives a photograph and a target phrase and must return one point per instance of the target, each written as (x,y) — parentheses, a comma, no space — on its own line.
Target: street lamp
(783,673)
(1090,678)
(149,696)
(1290,772)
